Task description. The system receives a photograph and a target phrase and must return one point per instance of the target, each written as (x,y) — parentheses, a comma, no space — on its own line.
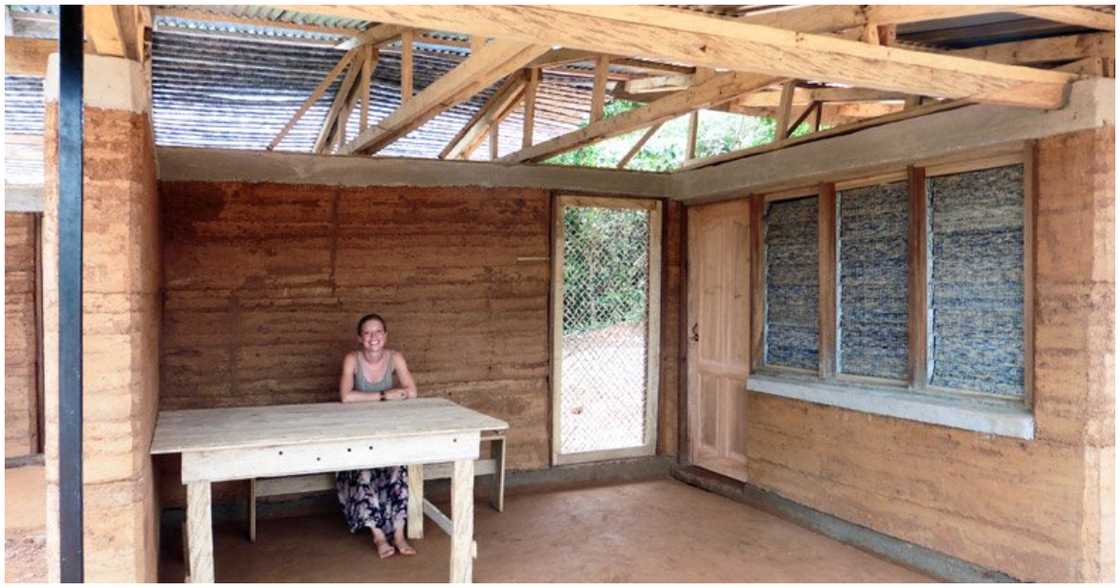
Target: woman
(376,498)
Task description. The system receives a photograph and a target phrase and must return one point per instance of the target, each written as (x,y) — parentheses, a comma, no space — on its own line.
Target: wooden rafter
(599,91)
(717,90)
(785,109)
(489,63)
(111,30)
(406,65)
(207,16)
(339,105)
(479,125)
(314,97)
(1068,47)
(1071,15)
(27,57)
(376,35)
(693,130)
(532,83)
(368,67)
(638,145)
(718,43)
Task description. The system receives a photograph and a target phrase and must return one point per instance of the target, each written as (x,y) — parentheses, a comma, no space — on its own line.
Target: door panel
(719,335)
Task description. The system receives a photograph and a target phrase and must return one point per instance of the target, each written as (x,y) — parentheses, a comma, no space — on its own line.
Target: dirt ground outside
(25,533)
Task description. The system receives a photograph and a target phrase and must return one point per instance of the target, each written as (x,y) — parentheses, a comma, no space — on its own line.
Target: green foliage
(719,132)
(605,267)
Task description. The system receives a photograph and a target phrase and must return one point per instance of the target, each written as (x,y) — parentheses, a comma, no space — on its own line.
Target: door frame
(653,324)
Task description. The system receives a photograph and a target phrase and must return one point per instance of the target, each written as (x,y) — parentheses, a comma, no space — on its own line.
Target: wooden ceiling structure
(837,68)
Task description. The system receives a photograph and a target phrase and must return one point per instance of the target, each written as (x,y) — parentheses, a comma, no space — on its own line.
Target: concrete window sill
(960,413)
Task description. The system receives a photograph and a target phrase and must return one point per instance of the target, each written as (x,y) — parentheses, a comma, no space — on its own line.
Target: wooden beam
(561,57)
(495,131)
(103,29)
(314,97)
(599,92)
(377,35)
(1071,15)
(479,124)
(827,281)
(532,82)
(406,66)
(24,56)
(671,82)
(367,73)
(917,285)
(207,16)
(341,99)
(1066,48)
(717,90)
(693,129)
(638,146)
(813,106)
(785,108)
(493,61)
(718,43)
(802,96)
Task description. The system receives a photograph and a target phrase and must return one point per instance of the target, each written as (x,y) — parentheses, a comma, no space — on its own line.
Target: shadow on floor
(655,531)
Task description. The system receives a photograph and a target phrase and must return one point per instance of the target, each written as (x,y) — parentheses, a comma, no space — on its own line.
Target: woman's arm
(407,389)
(346,381)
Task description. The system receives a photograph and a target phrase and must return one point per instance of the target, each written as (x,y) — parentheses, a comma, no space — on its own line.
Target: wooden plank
(720,88)
(917,260)
(505,94)
(1071,15)
(498,461)
(368,66)
(441,520)
(556,324)
(1030,206)
(738,46)
(758,287)
(27,57)
(326,481)
(827,278)
(1032,51)
(638,146)
(490,63)
(690,138)
(407,38)
(803,96)
(599,91)
(199,533)
(103,29)
(326,456)
(1088,67)
(462,520)
(532,83)
(785,106)
(341,100)
(376,35)
(314,97)
(495,131)
(294,424)
(415,524)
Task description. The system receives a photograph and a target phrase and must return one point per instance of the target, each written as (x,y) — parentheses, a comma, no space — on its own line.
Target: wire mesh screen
(605,304)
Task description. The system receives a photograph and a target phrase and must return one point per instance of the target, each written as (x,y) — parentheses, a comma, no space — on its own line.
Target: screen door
(605,328)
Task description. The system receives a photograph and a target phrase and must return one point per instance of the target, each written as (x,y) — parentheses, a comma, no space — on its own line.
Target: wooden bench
(495,466)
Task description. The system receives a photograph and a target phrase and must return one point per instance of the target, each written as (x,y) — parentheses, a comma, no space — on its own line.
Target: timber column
(121,321)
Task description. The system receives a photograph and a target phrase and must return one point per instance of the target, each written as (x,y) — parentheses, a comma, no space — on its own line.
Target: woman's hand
(396,394)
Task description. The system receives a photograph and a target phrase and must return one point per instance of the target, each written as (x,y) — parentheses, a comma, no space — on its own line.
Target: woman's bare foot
(402,545)
(384,550)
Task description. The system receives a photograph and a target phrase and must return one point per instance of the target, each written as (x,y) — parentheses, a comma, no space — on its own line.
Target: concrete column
(121,277)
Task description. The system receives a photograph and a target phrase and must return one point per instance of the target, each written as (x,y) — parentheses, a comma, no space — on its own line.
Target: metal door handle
(695,332)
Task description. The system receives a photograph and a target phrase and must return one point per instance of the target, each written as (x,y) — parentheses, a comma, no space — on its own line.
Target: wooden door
(718,336)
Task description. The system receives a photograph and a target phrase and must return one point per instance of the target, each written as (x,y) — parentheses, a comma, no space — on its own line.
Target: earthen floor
(660,530)
(25,513)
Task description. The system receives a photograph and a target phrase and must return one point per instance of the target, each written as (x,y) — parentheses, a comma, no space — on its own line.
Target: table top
(206,429)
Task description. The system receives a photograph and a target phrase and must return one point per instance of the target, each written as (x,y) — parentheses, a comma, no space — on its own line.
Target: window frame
(917,177)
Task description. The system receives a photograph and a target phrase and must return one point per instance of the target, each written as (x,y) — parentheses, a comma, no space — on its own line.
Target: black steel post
(70,293)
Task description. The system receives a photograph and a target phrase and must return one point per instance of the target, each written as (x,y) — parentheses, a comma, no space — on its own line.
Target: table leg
(462,520)
(199,535)
(415,525)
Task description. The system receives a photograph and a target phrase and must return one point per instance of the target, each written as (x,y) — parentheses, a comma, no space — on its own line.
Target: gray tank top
(363,385)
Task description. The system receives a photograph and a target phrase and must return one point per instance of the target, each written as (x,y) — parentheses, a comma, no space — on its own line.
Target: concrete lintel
(111,83)
(23,198)
(182,164)
(896,145)
(991,419)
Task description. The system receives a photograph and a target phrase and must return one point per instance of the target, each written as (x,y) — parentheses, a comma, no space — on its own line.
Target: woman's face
(373,336)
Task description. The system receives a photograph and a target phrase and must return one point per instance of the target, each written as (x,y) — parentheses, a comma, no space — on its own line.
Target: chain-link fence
(605,302)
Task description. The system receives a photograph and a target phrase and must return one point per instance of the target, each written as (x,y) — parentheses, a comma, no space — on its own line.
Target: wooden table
(261,441)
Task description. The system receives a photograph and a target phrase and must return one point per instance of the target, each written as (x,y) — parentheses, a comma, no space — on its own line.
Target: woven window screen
(792,283)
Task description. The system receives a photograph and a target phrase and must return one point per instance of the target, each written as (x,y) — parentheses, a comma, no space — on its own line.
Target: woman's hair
(373,316)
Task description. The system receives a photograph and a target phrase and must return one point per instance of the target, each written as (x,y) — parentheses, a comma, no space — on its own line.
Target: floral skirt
(376,498)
